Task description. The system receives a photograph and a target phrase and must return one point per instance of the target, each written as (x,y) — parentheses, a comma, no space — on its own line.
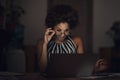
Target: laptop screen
(68,65)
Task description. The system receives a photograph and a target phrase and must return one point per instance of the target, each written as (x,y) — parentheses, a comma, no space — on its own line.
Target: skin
(101,65)
(60,32)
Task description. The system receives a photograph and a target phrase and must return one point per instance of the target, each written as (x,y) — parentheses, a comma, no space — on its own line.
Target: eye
(67,30)
(59,30)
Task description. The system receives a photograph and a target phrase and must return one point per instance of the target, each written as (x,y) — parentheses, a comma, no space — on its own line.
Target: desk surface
(107,78)
(38,76)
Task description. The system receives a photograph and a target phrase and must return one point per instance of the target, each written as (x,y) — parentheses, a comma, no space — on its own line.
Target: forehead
(62,25)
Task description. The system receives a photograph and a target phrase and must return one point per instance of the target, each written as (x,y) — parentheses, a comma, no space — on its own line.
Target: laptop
(71,65)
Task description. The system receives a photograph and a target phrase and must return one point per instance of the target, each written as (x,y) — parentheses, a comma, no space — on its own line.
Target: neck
(58,41)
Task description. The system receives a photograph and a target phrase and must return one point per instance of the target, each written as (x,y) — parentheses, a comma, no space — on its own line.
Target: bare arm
(79,44)
(42,55)
(42,49)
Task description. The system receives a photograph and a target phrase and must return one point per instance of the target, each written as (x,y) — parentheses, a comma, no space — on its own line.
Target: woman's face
(61,31)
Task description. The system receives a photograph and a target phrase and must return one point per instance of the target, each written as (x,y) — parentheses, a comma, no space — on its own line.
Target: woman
(60,21)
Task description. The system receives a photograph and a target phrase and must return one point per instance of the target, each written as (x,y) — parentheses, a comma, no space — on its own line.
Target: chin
(61,39)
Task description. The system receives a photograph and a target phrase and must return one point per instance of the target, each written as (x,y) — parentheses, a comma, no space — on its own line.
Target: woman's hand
(48,35)
(101,65)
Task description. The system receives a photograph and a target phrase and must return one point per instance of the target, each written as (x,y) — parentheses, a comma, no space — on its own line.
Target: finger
(99,62)
(52,33)
(49,31)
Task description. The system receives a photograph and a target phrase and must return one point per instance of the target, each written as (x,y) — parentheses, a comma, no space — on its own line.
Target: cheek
(57,33)
(68,32)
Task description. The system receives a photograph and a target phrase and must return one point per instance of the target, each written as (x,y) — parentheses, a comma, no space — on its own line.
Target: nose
(62,34)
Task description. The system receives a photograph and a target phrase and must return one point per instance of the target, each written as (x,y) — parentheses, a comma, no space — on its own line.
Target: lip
(62,38)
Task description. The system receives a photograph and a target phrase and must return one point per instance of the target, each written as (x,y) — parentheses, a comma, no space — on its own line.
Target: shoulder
(77,40)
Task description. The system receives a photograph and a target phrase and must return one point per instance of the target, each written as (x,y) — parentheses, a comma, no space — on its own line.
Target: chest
(67,47)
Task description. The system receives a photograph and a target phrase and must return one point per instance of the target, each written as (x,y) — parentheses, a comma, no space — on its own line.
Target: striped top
(67,47)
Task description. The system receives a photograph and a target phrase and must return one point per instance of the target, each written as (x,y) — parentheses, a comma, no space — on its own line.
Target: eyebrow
(61,29)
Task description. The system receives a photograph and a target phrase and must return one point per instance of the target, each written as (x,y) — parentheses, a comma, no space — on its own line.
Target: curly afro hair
(61,13)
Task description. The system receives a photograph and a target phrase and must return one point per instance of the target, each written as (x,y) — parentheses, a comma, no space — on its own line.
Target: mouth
(62,38)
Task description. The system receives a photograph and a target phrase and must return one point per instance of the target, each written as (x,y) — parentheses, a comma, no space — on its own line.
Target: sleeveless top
(67,47)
